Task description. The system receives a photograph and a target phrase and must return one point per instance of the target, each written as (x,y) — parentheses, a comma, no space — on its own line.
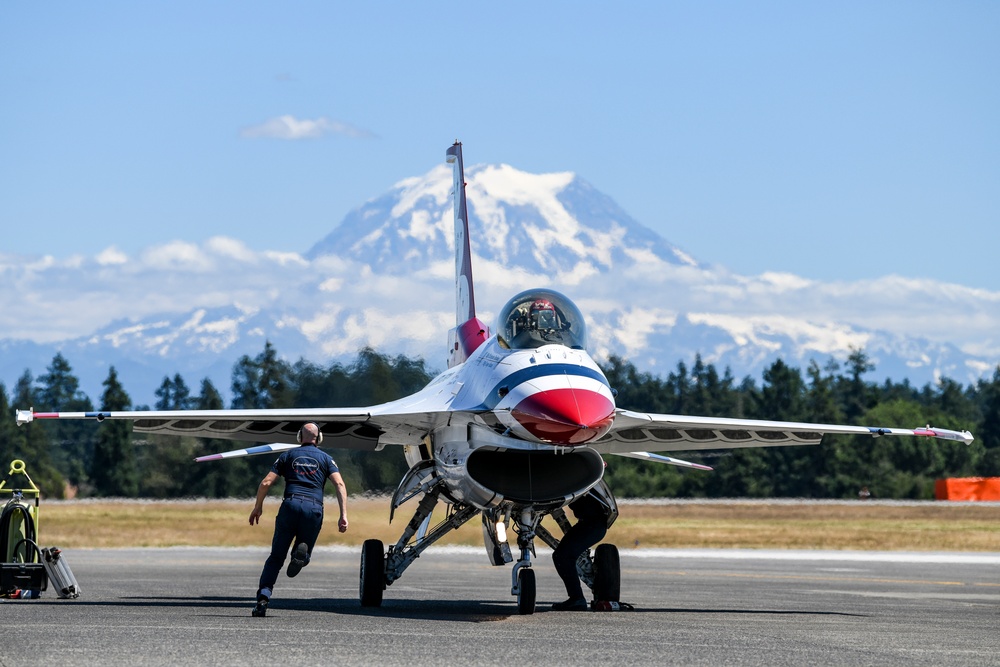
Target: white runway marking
(965,557)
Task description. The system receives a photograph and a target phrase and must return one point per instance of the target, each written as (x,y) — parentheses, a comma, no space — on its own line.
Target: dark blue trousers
(580,537)
(298,519)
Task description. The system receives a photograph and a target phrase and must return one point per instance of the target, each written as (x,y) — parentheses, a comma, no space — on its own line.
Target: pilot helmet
(543,314)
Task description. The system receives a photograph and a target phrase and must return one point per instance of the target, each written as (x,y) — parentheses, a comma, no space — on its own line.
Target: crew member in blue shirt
(306,469)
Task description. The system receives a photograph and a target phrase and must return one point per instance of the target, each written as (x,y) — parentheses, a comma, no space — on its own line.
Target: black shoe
(571,605)
(300,558)
(261,608)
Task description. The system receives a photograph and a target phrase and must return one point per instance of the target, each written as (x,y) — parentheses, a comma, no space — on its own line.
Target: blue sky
(836,141)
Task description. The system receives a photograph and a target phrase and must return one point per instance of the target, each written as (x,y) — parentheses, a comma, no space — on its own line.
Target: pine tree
(167,467)
(30,443)
(262,382)
(8,430)
(173,394)
(113,470)
(222,479)
(72,440)
(989,430)
(856,395)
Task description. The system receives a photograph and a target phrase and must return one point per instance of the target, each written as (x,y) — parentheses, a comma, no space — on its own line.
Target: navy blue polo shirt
(305,469)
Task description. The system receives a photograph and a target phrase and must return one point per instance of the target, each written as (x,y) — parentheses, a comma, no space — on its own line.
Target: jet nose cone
(565,416)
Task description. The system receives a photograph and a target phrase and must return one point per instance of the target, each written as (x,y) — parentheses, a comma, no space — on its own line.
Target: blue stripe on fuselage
(532,372)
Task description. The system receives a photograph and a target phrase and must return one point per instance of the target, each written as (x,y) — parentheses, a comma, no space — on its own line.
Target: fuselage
(551,394)
(513,425)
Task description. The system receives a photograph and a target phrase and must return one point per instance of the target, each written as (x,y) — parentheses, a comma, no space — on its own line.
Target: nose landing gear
(522,576)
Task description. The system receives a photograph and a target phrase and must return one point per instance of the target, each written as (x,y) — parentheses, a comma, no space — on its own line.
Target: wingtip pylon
(945,434)
(23,417)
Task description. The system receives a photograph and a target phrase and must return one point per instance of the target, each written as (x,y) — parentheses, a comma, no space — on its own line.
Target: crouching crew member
(305,470)
(590,528)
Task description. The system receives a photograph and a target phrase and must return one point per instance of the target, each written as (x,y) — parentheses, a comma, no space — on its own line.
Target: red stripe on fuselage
(565,416)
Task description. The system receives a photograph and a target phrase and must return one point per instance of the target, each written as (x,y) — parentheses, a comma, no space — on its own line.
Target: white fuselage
(515,425)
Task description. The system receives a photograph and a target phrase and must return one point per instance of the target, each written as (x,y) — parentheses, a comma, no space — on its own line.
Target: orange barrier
(968,488)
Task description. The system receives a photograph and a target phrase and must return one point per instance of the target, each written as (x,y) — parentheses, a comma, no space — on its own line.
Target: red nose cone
(565,416)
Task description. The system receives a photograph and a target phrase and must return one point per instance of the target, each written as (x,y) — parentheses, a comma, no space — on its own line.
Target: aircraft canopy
(539,317)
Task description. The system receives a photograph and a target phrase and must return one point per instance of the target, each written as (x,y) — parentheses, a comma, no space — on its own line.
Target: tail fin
(465,299)
(469,332)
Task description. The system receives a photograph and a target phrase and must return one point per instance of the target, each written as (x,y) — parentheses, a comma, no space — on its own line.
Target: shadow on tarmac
(464,611)
(468,611)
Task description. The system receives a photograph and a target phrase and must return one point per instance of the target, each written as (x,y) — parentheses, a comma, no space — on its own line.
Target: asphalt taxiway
(701,607)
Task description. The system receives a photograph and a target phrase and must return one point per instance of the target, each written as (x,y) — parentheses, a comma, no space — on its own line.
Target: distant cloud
(60,299)
(290,127)
(338,304)
(111,256)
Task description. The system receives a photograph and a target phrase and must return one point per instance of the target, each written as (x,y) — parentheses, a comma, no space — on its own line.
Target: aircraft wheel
(607,573)
(526,585)
(372,573)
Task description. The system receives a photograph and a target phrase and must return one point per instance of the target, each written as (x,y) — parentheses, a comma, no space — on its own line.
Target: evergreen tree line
(87,459)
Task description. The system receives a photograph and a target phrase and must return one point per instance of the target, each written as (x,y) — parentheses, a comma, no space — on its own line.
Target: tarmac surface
(191,606)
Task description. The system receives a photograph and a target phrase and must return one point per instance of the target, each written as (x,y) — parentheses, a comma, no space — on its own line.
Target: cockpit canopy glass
(541,317)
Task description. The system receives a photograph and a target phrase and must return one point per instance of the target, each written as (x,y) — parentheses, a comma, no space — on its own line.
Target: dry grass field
(867,526)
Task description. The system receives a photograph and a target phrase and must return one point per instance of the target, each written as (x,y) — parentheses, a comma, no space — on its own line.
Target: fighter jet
(513,431)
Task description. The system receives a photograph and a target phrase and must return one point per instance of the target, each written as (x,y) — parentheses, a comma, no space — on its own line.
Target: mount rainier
(384,277)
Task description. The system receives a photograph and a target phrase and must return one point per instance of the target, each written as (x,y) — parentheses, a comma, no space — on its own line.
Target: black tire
(607,573)
(372,573)
(526,585)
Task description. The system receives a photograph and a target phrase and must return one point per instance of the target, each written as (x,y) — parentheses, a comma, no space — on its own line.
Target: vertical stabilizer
(465,299)
(469,332)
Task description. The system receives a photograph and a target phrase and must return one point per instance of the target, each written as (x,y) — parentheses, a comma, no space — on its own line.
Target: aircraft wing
(664,433)
(368,428)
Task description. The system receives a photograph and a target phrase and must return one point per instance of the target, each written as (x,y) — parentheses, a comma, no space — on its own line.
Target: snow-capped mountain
(548,225)
(384,277)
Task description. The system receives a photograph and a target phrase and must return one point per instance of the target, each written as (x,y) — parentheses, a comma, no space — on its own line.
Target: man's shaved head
(310,432)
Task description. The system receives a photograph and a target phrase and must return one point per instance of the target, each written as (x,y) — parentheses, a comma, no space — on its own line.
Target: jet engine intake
(536,477)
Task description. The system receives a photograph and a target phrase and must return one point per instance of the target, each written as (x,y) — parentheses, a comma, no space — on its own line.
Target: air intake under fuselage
(535,476)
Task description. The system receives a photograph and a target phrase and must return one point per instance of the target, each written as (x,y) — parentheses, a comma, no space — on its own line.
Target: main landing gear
(372,573)
(379,568)
(600,571)
(379,571)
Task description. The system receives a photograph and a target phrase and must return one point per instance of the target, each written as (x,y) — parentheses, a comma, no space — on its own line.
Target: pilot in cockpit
(542,316)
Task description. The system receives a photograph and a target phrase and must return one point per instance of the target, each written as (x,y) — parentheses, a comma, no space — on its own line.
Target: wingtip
(945,434)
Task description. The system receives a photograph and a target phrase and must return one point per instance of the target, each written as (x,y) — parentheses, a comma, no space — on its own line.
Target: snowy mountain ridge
(384,277)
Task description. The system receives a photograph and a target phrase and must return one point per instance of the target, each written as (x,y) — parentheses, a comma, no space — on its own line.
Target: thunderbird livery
(513,431)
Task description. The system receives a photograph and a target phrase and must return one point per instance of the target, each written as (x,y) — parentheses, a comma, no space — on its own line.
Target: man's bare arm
(341,489)
(262,489)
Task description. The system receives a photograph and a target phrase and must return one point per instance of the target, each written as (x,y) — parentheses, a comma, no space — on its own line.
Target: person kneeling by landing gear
(590,528)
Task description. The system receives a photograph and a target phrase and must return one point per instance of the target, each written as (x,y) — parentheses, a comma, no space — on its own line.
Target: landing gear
(372,573)
(600,571)
(526,591)
(379,568)
(607,573)
(523,577)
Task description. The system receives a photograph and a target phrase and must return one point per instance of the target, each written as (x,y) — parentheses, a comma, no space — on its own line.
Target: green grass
(867,526)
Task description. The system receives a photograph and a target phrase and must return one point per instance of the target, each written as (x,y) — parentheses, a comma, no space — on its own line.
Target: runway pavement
(693,607)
